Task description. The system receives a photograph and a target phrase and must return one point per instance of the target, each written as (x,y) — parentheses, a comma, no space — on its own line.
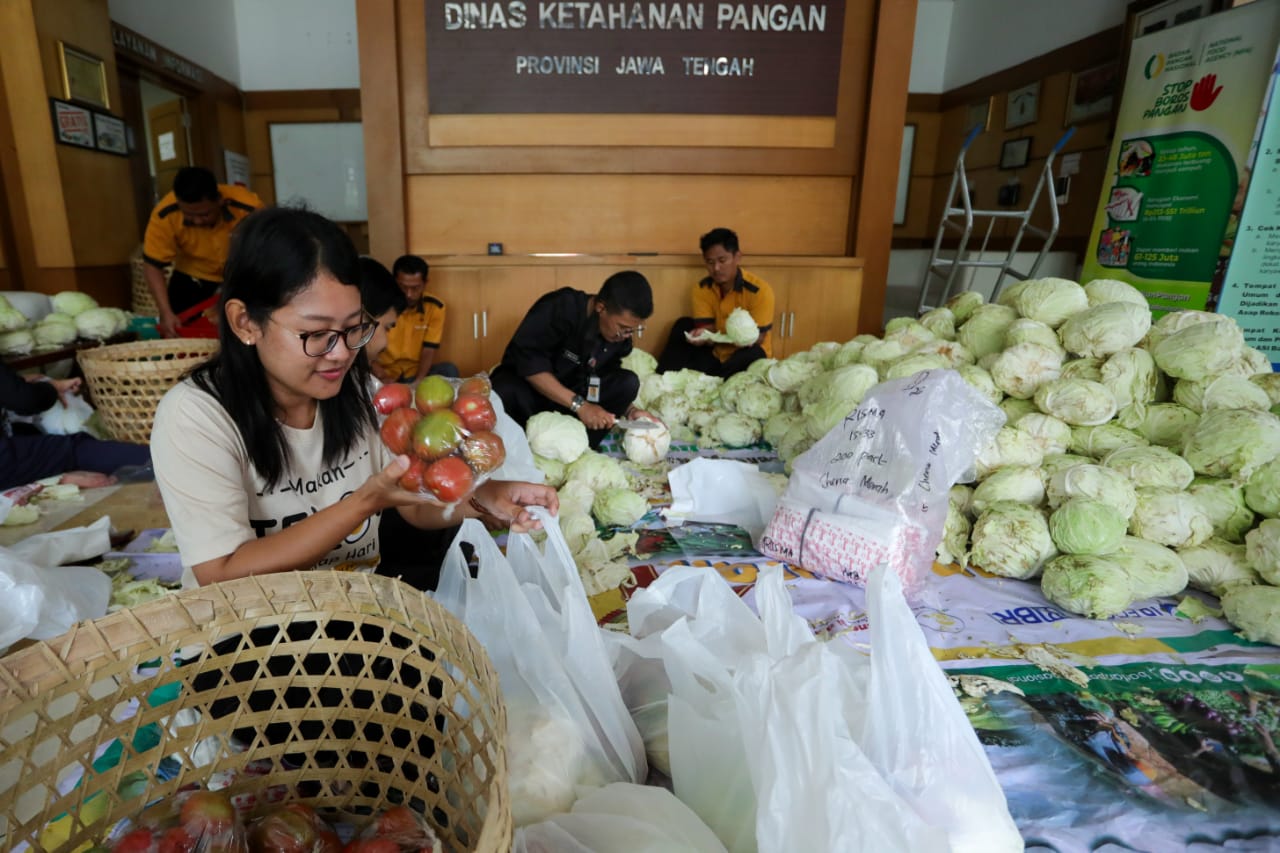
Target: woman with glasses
(268,456)
(566,355)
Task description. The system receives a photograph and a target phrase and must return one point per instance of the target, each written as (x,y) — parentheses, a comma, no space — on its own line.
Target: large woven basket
(355,690)
(144,304)
(127,381)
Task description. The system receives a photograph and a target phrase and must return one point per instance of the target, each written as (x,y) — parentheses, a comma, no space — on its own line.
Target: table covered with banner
(1156,729)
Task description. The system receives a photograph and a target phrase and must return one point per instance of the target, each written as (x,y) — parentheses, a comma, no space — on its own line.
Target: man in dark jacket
(566,355)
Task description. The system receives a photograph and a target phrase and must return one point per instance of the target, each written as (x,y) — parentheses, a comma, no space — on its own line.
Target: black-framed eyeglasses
(322,342)
(628,331)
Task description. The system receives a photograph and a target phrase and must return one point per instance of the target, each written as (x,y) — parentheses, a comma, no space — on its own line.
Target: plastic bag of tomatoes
(446,428)
(193,822)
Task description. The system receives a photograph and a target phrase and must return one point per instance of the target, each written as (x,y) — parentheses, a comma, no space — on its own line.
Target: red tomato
(450,479)
(135,841)
(207,813)
(476,412)
(401,824)
(177,840)
(476,385)
(414,479)
(397,430)
(484,451)
(392,396)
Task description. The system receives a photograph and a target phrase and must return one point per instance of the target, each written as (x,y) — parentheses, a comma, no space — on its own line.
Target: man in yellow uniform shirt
(414,339)
(191,229)
(714,298)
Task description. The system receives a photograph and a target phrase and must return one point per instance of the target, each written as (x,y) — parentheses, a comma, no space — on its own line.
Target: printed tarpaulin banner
(1190,107)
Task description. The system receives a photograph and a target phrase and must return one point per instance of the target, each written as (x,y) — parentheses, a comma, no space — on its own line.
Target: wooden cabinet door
(507,295)
(822,307)
(459,288)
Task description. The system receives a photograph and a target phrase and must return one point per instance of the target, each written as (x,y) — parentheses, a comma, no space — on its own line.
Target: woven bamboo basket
(353,691)
(144,304)
(128,380)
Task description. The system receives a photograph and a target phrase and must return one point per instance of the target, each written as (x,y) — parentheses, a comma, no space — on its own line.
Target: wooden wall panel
(605,214)
(97,186)
(648,130)
(871,218)
(28,158)
(380,99)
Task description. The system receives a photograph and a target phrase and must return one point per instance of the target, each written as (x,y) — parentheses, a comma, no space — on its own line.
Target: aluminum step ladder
(960,219)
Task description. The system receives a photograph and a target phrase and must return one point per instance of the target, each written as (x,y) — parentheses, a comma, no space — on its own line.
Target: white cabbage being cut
(647,446)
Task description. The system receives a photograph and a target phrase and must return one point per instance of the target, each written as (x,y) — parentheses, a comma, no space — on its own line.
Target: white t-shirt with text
(216,501)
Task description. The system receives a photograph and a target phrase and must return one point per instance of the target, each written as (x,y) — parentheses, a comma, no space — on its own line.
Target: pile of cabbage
(595,493)
(75,315)
(788,404)
(1138,458)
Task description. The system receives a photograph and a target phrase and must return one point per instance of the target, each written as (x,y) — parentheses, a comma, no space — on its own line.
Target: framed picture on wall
(1023,106)
(109,134)
(72,124)
(979,115)
(1092,93)
(1015,153)
(904,175)
(84,76)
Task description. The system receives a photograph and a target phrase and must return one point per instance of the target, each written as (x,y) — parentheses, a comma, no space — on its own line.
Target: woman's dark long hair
(275,254)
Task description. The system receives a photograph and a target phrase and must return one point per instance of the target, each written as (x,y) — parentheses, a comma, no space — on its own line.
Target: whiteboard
(321,165)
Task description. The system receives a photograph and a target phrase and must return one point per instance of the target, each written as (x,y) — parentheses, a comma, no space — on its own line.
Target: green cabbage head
(1084,526)
(1090,585)
(1255,611)
(1011,540)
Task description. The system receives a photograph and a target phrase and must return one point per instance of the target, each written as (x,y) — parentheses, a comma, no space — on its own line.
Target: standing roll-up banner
(1251,289)
(1188,114)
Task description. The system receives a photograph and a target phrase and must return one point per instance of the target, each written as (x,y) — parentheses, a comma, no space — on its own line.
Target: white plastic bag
(518,464)
(550,581)
(65,420)
(843,752)
(722,490)
(873,490)
(39,597)
(568,729)
(621,818)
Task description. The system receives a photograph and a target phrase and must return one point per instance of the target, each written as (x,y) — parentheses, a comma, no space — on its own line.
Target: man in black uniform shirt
(566,355)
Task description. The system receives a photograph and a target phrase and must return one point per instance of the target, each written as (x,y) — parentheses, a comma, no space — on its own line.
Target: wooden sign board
(700,58)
